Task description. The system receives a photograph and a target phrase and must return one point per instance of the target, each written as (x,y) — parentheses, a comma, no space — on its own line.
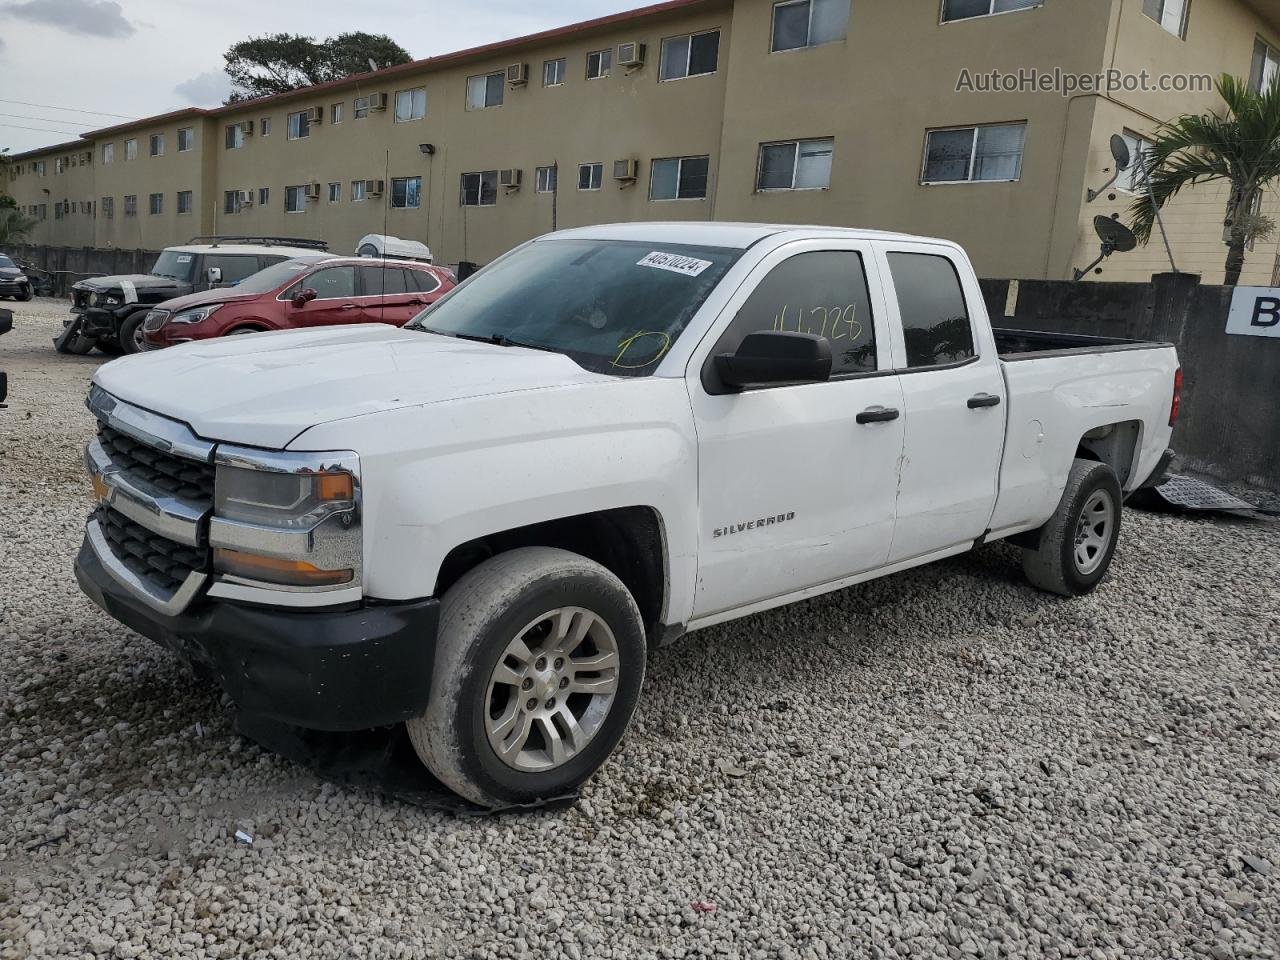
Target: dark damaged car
(13,281)
(107,312)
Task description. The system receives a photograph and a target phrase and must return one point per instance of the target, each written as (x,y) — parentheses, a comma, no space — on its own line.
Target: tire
(25,297)
(109,345)
(130,336)
(241,331)
(526,594)
(1079,541)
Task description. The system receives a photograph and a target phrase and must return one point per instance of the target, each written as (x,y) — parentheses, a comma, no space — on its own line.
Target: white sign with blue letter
(1255,312)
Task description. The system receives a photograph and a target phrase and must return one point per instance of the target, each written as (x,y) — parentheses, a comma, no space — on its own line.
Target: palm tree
(14,226)
(1241,148)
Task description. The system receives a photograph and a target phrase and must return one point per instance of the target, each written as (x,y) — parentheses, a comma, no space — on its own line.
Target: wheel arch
(630,542)
(1118,445)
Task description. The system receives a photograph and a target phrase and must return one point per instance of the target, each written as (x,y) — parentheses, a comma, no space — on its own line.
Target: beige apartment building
(872,113)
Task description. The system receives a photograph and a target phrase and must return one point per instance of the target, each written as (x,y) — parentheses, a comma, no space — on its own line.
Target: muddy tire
(540,657)
(1079,541)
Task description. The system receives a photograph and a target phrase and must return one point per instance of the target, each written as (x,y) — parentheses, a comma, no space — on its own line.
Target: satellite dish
(1115,237)
(1120,152)
(373,67)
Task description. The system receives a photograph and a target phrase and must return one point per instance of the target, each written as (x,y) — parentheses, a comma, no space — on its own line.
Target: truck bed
(1015,345)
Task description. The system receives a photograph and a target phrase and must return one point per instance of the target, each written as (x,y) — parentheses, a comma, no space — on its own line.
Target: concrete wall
(1230,418)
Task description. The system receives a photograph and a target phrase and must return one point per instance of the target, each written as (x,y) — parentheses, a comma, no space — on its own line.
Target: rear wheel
(131,332)
(539,662)
(1079,541)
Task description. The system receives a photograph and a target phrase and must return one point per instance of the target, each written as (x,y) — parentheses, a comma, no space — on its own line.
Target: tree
(14,227)
(1240,148)
(261,66)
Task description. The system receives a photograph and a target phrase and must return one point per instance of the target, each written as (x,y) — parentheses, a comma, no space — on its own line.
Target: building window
(553,72)
(590,176)
(235,136)
(480,189)
(679,178)
(599,63)
(1134,180)
(1170,14)
(971,154)
(807,23)
(59,165)
(360,107)
(264,196)
(299,125)
(693,55)
(1266,66)
(335,112)
(131,205)
(108,207)
(131,149)
(186,138)
(108,152)
(230,201)
(411,104)
(40,170)
(358,191)
(264,125)
(545,180)
(486,90)
(335,192)
(295,199)
(184,201)
(968,9)
(795,165)
(157,145)
(406,193)
(156,203)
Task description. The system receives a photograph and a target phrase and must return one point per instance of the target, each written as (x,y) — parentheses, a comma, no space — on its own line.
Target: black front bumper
(14,288)
(97,322)
(336,670)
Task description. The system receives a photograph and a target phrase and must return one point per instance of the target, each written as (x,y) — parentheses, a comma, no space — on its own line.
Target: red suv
(298,294)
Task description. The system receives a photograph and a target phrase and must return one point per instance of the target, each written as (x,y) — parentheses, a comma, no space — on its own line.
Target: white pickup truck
(480,525)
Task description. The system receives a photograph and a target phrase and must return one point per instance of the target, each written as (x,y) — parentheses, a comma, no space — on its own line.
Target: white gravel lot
(941,764)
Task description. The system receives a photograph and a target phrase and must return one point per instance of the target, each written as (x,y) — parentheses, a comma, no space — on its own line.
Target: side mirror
(774,357)
(214,274)
(303,297)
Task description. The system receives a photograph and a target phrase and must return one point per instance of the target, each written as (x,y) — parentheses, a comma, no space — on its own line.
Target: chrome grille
(155,320)
(183,478)
(149,555)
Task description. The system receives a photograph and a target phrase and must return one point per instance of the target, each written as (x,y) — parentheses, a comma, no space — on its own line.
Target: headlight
(291,519)
(195,315)
(21,278)
(107,300)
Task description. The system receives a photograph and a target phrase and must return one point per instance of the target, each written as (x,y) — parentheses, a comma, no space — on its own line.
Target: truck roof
(716,234)
(246,248)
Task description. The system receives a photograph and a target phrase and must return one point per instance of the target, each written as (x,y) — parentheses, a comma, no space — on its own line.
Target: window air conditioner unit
(518,74)
(246,127)
(245,198)
(377,101)
(374,188)
(510,178)
(631,54)
(315,115)
(313,191)
(625,170)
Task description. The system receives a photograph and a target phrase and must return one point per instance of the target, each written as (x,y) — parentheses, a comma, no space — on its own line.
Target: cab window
(234,269)
(824,293)
(935,317)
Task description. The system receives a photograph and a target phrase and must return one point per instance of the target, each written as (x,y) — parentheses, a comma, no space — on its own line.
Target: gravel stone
(944,763)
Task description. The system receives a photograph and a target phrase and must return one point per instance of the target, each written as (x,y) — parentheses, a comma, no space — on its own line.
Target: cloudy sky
(96,59)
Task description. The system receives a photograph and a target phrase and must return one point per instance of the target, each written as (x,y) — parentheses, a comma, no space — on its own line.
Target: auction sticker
(130,291)
(689,266)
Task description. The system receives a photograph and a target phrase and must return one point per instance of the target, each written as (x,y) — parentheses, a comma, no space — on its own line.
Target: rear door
(953,396)
(794,492)
(389,295)
(335,301)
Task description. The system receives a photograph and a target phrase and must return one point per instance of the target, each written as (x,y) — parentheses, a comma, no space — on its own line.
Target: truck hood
(264,389)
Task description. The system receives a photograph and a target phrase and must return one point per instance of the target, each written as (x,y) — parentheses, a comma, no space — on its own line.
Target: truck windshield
(276,275)
(175,265)
(612,306)
(5,261)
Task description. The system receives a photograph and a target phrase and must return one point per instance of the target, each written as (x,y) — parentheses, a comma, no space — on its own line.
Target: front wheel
(131,333)
(539,661)
(1079,541)
(25,296)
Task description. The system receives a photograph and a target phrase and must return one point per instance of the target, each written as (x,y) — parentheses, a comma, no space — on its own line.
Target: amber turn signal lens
(99,486)
(291,573)
(334,486)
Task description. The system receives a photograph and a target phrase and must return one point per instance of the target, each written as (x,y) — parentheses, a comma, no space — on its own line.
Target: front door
(795,492)
(335,300)
(953,399)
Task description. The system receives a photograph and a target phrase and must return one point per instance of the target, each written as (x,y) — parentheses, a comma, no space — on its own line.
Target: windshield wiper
(497,339)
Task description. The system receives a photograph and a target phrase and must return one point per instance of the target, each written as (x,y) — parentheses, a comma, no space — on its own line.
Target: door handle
(983,400)
(877,415)
(349,306)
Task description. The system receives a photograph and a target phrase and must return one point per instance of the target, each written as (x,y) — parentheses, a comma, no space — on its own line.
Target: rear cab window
(822,292)
(936,326)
